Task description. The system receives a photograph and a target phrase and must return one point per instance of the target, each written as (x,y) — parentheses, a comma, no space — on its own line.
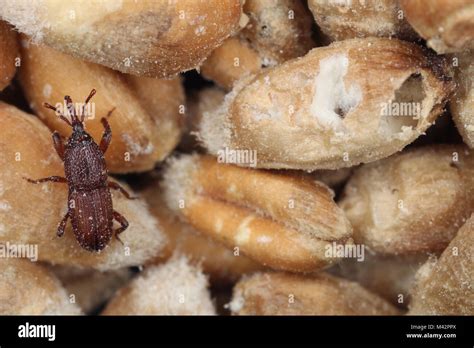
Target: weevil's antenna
(83,113)
(72,111)
(61,116)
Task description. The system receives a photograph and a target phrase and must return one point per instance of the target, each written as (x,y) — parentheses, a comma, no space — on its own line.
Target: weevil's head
(77,120)
(78,135)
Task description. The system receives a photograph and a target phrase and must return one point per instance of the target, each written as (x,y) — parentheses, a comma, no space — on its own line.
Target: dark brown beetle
(90,202)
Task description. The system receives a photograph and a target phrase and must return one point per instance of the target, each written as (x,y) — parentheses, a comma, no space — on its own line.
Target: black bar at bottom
(411,330)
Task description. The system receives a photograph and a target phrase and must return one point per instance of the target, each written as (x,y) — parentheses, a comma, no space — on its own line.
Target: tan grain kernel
(319,294)
(341,20)
(27,288)
(151,38)
(334,107)
(282,221)
(446,286)
(9,53)
(462,101)
(448,26)
(276,31)
(174,288)
(411,202)
(221,264)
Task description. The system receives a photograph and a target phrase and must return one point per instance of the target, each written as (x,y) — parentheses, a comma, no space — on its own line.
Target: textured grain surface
(174,288)
(448,26)
(325,110)
(276,31)
(8,54)
(204,100)
(321,294)
(91,288)
(341,20)
(216,260)
(411,202)
(27,288)
(462,102)
(446,286)
(282,221)
(389,276)
(151,38)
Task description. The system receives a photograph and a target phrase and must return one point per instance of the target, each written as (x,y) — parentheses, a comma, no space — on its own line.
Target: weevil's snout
(76,122)
(77,127)
(79,134)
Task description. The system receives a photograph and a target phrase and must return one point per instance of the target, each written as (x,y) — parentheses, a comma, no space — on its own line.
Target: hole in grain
(406,109)
(340,112)
(454,165)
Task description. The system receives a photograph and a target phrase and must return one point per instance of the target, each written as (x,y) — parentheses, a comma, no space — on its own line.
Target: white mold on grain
(135,148)
(178,182)
(332,100)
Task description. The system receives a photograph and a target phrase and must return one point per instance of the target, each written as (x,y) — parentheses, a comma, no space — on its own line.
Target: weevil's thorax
(84,163)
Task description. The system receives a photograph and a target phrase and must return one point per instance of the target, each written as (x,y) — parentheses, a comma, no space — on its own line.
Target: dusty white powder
(177,179)
(135,148)
(330,94)
(174,288)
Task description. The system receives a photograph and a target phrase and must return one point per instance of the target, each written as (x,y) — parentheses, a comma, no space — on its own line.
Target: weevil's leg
(54,178)
(110,113)
(106,137)
(115,186)
(123,225)
(62,224)
(58,144)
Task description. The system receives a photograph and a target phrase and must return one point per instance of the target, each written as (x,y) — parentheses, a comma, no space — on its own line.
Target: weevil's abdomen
(92,217)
